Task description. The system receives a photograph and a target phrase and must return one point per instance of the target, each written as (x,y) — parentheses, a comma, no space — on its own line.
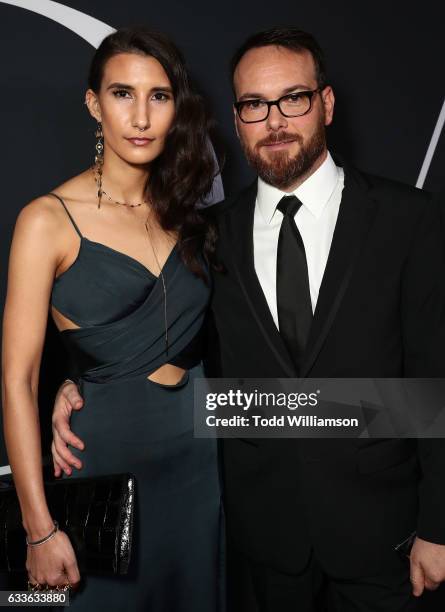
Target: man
(327,273)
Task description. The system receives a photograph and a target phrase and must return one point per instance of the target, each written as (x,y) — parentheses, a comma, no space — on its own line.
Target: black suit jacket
(380,313)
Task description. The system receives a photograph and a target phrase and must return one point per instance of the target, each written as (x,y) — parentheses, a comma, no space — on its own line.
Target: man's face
(283,150)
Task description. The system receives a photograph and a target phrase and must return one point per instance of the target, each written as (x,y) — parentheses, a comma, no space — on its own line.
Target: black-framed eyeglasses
(291,105)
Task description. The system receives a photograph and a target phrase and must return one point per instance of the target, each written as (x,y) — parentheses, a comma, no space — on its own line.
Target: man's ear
(93,105)
(328,98)
(235,120)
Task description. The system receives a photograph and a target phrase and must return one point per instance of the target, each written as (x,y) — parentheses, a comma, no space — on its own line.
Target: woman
(119,254)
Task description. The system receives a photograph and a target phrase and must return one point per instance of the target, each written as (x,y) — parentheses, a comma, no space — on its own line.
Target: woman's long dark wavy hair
(183,173)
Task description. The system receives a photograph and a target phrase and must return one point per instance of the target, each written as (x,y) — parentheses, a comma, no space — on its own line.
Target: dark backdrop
(385,62)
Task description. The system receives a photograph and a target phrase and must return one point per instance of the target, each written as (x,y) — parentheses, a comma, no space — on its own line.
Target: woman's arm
(36,253)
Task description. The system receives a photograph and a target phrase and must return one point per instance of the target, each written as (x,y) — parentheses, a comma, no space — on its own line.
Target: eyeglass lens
(292,105)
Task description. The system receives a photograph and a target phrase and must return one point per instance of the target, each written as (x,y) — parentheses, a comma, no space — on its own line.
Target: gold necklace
(164,287)
(101,191)
(97,171)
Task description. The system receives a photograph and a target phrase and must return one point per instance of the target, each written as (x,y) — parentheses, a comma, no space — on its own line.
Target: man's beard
(281,170)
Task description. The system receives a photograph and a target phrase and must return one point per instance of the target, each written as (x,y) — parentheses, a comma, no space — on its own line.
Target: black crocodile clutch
(96,513)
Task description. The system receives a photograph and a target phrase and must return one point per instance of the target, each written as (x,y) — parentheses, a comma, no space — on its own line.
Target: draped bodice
(101,286)
(124,314)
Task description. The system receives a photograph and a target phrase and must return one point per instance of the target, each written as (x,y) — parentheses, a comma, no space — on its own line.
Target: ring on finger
(35,586)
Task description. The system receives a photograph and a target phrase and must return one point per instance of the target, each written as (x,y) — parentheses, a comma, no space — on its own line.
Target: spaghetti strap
(67,212)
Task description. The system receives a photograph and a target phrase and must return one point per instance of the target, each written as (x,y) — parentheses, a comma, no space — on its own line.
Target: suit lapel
(354,220)
(240,232)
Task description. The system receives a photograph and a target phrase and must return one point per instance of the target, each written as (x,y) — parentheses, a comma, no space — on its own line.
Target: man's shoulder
(389,190)
(385,187)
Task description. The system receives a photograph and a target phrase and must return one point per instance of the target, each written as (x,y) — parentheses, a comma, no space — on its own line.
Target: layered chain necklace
(97,171)
(100,191)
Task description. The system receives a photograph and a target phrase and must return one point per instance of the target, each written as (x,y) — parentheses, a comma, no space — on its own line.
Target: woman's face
(135,106)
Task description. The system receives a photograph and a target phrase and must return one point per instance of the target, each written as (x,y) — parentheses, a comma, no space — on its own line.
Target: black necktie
(293,295)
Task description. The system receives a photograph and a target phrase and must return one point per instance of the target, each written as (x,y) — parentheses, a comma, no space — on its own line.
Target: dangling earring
(99,160)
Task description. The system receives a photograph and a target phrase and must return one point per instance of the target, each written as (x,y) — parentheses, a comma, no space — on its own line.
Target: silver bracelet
(46,538)
(67,380)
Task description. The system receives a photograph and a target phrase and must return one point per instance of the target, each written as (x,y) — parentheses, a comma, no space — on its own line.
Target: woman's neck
(124,182)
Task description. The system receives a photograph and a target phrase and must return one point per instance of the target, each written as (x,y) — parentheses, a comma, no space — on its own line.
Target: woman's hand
(53,562)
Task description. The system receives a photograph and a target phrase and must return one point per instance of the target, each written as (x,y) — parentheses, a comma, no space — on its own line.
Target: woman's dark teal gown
(132,424)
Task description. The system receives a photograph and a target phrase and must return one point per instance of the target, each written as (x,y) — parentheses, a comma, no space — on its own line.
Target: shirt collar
(314,192)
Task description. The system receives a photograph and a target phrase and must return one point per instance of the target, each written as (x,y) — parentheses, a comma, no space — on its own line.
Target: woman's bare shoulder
(45,214)
(40,215)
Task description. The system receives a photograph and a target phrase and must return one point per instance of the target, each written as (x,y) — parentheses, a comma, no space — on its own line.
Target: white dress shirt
(320,195)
